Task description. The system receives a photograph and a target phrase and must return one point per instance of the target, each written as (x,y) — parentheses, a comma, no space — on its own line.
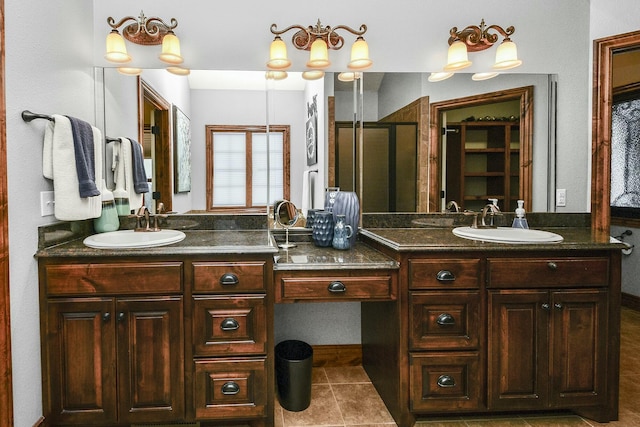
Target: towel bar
(28,116)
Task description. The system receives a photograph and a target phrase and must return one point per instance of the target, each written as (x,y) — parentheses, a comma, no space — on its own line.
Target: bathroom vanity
(184,333)
(487,327)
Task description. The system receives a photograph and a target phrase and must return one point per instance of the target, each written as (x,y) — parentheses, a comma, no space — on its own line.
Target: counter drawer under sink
(444,273)
(336,286)
(547,272)
(228,277)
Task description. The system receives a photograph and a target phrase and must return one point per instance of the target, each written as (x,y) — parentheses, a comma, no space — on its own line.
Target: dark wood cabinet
(547,348)
(494,331)
(115,360)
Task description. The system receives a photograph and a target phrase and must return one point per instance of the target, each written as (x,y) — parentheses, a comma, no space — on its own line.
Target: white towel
(58,164)
(135,199)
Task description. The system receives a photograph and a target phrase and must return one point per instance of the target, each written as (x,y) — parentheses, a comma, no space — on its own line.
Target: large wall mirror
(387,99)
(408,121)
(604,54)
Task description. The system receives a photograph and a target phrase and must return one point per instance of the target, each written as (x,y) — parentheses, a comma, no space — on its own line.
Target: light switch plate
(47,203)
(561,197)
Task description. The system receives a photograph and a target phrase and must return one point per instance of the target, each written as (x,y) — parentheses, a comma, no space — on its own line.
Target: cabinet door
(79,376)
(150,359)
(518,349)
(578,371)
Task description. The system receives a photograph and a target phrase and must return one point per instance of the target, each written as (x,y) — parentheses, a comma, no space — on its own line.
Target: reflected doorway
(154,133)
(522,167)
(389,165)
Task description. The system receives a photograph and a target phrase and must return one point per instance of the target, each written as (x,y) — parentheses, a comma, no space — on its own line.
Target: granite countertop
(307,256)
(196,242)
(442,239)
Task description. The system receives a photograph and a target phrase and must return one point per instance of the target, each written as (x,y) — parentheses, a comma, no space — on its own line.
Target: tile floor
(345,397)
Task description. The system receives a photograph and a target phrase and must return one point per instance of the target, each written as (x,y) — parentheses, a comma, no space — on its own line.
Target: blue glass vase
(322,233)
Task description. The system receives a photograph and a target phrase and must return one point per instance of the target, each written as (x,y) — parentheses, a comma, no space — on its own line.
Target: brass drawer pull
(552,265)
(445,276)
(229,324)
(445,381)
(445,319)
(230,388)
(229,279)
(337,287)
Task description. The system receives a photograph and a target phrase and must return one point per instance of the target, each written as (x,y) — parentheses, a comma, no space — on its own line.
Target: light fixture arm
(479,38)
(303,38)
(143,30)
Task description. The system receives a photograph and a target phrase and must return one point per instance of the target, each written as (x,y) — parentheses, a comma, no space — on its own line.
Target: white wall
(49,72)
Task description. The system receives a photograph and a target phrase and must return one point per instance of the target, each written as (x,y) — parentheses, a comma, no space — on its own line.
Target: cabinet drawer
(447,273)
(230,388)
(228,277)
(109,278)
(444,381)
(336,288)
(444,320)
(229,325)
(547,272)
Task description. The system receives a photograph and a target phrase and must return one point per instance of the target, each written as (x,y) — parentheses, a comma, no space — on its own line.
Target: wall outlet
(47,203)
(561,197)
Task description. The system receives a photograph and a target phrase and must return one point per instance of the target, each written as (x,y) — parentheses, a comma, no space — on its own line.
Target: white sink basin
(123,239)
(507,235)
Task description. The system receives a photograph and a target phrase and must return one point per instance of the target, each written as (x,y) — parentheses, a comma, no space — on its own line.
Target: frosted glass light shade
(312,74)
(278,55)
(319,56)
(477,77)
(171,49)
(116,49)
(506,56)
(360,55)
(457,57)
(130,71)
(276,75)
(178,71)
(348,76)
(438,77)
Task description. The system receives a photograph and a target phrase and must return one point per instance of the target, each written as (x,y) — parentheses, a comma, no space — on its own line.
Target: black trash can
(294,360)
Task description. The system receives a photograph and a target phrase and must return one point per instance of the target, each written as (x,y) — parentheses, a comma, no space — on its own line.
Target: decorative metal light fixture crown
(144,31)
(475,39)
(318,40)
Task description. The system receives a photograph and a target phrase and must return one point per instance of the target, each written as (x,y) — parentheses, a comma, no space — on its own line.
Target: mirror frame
(603,51)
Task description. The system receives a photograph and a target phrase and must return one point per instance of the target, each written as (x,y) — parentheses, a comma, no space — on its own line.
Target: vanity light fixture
(318,40)
(348,76)
(475,39)
(276,75)
(144,31)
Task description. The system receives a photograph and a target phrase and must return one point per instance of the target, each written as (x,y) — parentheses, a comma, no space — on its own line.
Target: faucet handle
(475,217)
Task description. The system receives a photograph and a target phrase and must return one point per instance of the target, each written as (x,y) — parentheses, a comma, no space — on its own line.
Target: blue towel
(140,184)
(85,161)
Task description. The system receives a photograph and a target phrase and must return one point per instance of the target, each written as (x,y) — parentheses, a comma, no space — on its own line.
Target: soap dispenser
(520,221)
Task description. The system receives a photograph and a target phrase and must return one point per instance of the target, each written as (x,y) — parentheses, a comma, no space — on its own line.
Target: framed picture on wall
(181,151)
(312,134)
